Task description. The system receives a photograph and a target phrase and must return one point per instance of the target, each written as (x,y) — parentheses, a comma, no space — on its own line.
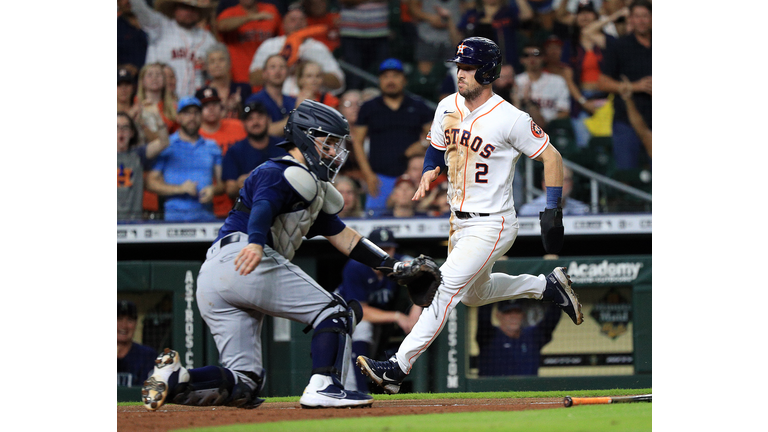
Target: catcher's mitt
(422,278)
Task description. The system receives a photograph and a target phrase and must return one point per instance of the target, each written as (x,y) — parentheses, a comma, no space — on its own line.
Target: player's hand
(248,258)
(206,195)
(189,187)
(426,180)
(372,182)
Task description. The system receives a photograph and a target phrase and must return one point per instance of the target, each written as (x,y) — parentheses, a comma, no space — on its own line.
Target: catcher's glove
(421,276)
(552,229)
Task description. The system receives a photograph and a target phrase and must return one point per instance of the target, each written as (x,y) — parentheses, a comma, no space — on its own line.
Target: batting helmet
(482,52)
(313,120)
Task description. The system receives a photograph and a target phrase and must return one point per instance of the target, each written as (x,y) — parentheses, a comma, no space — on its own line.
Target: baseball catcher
(421,276)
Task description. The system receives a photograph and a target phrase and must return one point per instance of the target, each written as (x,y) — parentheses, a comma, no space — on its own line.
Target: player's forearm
(232,188)
(352,244)
(378,316)
(553,167)
(260,222)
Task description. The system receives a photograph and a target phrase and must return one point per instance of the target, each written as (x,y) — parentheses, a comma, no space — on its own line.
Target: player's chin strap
(351,314)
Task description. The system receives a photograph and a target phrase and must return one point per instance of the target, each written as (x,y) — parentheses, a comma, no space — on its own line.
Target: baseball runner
(248,274)
(176,40)
(478,137)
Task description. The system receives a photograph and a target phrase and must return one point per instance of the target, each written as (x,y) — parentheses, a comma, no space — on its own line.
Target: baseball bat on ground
(571,401)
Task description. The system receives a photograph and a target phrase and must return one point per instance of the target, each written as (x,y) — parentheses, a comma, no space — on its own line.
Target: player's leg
(473,250)
(281,289)
(555,287)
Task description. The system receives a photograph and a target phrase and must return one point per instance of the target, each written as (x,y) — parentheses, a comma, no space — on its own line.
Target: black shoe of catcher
(387,374)
(560,292)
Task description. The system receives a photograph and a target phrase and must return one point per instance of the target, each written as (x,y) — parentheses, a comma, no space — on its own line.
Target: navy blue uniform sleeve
(434,158)
(326,225)
(266,193)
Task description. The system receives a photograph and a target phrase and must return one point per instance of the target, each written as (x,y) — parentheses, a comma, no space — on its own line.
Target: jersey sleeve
(527,137)
(326,225)
(435,135)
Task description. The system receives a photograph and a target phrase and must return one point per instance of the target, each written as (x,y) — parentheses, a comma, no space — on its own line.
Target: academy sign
(604,272)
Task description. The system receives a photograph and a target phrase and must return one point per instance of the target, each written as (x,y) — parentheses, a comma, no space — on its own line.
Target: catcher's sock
(213,376)
(325,344)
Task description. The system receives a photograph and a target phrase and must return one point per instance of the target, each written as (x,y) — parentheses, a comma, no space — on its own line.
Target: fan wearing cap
(511,335)
(175,38)
(543,95)
(396,125)
(224,131)
(126,86)
(188,172)
(256,148)
(379,297)
(134,360)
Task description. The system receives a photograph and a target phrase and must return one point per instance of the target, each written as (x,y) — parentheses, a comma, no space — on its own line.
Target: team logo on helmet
(536,130)
(460,49)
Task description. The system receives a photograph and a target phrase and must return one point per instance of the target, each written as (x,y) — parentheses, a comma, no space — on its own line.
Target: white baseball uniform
(481,149)
(182,49)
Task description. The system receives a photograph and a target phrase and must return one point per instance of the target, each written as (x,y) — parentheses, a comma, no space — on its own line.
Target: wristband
(554,194)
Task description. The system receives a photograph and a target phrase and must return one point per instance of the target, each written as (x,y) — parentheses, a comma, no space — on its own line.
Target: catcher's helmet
(313,120)
(482,52)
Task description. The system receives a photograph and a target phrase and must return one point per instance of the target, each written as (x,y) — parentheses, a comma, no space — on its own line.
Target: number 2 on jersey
(482,169)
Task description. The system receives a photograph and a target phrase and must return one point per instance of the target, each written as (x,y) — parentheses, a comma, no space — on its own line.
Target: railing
(595,180)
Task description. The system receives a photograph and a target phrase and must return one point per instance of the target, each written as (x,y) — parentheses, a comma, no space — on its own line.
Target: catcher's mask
(321,134)
(481,52)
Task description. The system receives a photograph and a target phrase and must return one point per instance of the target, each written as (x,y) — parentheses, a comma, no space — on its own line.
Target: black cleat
(560,292)
(387,374)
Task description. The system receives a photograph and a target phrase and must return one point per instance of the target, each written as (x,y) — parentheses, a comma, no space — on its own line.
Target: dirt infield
(169,417)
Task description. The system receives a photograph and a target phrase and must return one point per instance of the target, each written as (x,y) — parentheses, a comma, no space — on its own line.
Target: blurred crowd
(204,89)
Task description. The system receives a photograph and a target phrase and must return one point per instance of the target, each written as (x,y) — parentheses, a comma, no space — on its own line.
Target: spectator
(634,116)
(247,154)
(309,78)
(243,28)
(544,13)
(133,159)
(349,106)
(583,53)
(396,125)
(436,22)
(377,295)
(498,21)
(134,361)
(631,56)
(542,94)
(278,104)
(154,97)
(224,131)
(350,190)
(364,30)
(318,13)
(176,39)
(297,44)
(570,205)
(188,172)
(504,85)
(170,80)
(131,39)
(399,202)
(510,342)
(232,93)
(126,87)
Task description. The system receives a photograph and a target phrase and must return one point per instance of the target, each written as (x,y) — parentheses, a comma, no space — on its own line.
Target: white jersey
(481,148)
(549,92)
(182,49)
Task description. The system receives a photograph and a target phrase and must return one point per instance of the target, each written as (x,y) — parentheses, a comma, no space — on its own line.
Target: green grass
(595,418)
(492,395)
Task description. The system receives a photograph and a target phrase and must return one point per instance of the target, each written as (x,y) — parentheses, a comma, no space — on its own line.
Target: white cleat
(325,392)
(167,374)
